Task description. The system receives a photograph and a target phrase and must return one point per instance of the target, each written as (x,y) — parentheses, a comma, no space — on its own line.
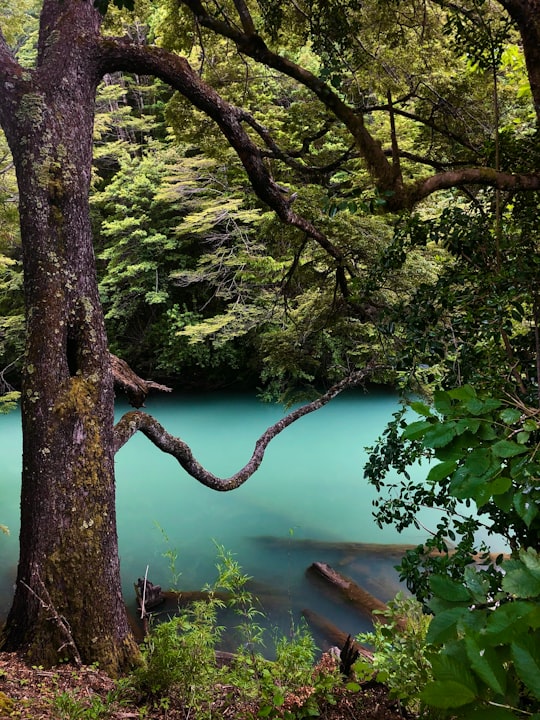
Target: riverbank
(32,693)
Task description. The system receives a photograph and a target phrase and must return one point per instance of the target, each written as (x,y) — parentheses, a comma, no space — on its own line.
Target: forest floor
(70,693)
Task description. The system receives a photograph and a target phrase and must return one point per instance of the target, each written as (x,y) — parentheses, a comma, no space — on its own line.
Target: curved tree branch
(399,197)
(487,177)
(254,46)
(289,158)
(121,54)
(135,421)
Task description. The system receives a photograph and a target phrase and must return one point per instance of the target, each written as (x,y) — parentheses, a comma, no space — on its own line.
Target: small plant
(69,707)
(180,658)
(172,556)
(179,655)
(401,652)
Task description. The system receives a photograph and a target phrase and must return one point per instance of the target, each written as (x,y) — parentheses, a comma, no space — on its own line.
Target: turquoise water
(306,503)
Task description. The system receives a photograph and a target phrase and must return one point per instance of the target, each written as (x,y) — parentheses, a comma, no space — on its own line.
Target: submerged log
(477,558)
(349,548)
(333,635)
(174,599)
(350,591)
(353,549)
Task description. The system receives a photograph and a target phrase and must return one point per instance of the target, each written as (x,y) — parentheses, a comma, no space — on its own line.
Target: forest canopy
(360,112)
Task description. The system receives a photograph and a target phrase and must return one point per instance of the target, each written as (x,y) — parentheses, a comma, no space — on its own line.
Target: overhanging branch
(486,177)
(121,54)
(400,197)
(135,421)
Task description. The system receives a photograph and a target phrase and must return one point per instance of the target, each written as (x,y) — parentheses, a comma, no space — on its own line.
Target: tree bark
(68,600)
(526,15)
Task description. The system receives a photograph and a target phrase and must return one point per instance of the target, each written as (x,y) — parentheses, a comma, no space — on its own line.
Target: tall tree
(68,544)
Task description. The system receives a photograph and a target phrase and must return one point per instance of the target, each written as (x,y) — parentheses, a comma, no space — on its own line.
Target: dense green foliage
(401,658)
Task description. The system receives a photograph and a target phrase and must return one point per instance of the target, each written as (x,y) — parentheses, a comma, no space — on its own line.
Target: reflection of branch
(60,620)
(131,422)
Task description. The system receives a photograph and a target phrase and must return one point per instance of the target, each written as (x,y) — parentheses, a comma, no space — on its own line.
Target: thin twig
(59,619)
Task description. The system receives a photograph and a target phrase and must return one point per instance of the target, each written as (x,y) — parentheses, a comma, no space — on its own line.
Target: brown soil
(31,693)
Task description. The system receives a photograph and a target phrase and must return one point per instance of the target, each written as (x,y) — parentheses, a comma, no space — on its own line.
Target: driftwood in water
(173,600)
(148,595)
(477,558)
(350,591)
(185,597)
(332,634)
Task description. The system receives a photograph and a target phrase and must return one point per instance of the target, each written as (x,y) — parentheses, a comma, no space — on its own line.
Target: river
(305,504)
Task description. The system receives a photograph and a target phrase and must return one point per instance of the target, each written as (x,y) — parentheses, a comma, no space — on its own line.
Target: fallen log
(332,634)
(354,549)
(350,591)
(394,550)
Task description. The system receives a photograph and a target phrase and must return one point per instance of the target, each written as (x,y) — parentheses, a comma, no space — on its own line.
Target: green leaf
(510,415)
(416,430)
(526,661)
(500,485)
(478,462)
(487,665)
(442,402)
(525,508)
(482,407)
(521,583)
(530,558)
(448,589)
(504,501)
(465,392)
(444,625)
(507,448)
(441,471)
(440,435)
(502,621)
(447,694)
(421,408)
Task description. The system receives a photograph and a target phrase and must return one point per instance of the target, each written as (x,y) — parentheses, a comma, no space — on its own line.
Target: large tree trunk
(68,601)
(526,15)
